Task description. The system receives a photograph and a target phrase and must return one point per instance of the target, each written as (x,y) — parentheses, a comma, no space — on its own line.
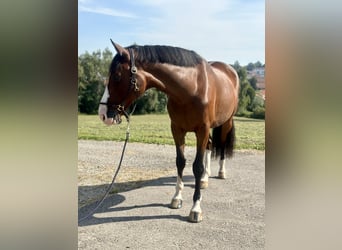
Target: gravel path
(97,161)
(138,216)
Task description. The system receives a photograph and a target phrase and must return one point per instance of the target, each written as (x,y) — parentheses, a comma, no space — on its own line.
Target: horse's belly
(222,110)
(188,116)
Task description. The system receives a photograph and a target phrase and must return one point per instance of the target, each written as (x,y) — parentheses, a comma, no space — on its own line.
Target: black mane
(162,54)
(166,54)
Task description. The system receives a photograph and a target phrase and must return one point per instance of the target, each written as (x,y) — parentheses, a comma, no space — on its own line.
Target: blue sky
(223,30)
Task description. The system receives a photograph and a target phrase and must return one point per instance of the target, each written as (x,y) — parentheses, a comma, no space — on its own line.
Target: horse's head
(123,87)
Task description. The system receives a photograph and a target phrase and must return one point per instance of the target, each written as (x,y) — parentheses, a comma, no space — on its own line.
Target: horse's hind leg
(228,137)
(207,170)
(179,138)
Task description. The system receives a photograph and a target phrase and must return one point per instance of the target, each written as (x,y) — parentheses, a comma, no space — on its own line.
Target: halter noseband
(134,82)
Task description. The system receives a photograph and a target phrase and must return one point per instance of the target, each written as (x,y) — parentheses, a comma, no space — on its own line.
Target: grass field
(250,133)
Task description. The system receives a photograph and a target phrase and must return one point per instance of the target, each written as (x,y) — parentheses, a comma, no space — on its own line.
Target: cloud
(84,1)
(107,11)
(219,30)
(226,30)
(183,17)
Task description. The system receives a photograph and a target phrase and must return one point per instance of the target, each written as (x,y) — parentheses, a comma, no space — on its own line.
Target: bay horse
(201,95)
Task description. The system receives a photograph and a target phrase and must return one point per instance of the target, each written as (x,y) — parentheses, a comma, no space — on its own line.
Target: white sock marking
(207,170)
(179,188)
(222,164)
(197,206)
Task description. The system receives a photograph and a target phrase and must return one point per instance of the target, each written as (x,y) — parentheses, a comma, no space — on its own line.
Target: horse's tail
(223,145)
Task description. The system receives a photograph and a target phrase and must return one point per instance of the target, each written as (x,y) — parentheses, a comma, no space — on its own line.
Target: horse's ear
(121,50)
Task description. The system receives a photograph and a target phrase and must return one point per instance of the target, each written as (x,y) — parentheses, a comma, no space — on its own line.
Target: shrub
(258,113)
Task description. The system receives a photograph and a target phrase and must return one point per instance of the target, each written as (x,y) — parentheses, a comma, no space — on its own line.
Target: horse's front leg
(179,138)
(207,170)
(198,169)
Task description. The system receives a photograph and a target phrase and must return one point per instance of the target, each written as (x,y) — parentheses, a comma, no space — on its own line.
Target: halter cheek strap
(134,71)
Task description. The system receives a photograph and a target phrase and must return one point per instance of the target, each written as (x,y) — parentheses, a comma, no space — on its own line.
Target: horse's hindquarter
(210,97)
(224,82)
(228,71)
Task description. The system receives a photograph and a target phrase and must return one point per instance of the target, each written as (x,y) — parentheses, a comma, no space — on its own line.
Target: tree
(246,97)
(249,104)
(250,66)
(246,92)
(253,82)
(153,101)
(92,71)
(258,64)
(236,65)
(107,57)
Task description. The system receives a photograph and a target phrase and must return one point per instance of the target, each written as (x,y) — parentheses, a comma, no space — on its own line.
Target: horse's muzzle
(109,117)
(113,117)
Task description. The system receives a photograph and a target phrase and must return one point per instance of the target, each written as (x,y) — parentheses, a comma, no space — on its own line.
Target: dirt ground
(137,215)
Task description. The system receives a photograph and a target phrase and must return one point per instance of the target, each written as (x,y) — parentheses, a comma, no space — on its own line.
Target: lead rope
(116,172)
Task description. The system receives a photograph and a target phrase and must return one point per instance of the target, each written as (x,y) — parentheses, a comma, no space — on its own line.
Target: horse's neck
(171,79)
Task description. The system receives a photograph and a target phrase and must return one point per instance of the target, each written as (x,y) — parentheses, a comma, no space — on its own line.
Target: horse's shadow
(112,202)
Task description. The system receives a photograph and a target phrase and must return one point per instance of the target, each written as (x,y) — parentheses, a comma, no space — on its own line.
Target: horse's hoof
(204,184)
(222,175)
(176,203)
(195,217)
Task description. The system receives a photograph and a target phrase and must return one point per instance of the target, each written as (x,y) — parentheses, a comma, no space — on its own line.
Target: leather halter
(134,81)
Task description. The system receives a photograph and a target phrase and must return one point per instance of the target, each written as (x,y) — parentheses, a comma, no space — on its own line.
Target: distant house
(262,94)
(259,74)
(259,71)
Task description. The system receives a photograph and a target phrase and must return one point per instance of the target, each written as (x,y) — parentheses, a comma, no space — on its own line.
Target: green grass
(155,129)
